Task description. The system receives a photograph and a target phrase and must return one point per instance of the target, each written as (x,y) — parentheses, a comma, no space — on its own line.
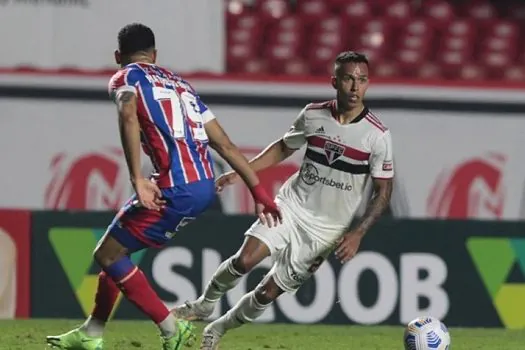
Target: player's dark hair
(135,37)
(350,57)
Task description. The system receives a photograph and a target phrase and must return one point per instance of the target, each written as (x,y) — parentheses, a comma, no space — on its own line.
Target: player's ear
(118,58)
(154,56)
(334,82)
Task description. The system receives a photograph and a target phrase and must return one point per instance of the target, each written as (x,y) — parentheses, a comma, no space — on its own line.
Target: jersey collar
(333,110)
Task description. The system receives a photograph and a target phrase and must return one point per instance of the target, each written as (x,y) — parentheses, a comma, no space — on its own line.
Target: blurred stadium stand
(470,40)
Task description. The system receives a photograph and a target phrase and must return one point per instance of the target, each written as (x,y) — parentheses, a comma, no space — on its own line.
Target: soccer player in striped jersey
(161,111)
(347,147)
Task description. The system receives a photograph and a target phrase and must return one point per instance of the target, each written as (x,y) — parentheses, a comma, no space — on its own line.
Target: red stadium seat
(499,45)
(475,39)
(461,28)
(277,35)
(296,67)
(417,35)
(320,59)
(397,11)
(386,69)
(291,23)
(236,8)
(409,61)
(429,70)
(438,12)
(514,73)
(451,62)
(270,10)
(515,11)
(241,36)
(328,32)
(335,6)
(254,66)
(471,72)
(248,21)
(238,54)
(356,13)
(458,41)
(503,29)
(495,63)
(330,24)
(277,55)
(312,10)
(480,10)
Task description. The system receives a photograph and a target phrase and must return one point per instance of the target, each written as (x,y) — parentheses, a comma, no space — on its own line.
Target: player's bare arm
(130,132)
(221,143)
(271,155)
(147,192)
(377,205)
(348,245)
(275,153)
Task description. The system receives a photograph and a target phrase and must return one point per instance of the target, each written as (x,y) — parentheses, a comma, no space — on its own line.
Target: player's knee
(105,258)
(268,291)
(108,251)
(102,259)
(244,263)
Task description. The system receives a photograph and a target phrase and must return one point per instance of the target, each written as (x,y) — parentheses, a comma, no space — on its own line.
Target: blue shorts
(136,227)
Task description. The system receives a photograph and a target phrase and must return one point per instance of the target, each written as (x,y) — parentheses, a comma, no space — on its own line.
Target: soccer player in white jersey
(347,146)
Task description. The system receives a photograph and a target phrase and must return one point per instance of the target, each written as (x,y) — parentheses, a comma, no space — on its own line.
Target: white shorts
(296,253)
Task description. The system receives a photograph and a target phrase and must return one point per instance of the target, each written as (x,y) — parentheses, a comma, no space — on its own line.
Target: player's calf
(114,260)
(227,276)
(250,307)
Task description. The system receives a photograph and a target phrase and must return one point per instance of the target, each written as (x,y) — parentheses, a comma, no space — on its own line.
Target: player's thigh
(274,239)
(299,261)
(136,227)
(251,253)
(109,250)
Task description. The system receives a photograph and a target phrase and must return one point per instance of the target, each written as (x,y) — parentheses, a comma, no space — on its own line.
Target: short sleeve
(206,113)
(295,137)
(381,157)
(123,80)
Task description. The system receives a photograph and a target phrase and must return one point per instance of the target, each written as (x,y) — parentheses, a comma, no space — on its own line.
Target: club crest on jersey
(333,151)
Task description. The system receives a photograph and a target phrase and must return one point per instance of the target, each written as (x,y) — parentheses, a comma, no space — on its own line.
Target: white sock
(93,327)
(247,310)
(167,327)
(224,279)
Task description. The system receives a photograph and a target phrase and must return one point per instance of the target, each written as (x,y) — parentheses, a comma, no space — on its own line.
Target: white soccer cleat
(192,311)
(210,339)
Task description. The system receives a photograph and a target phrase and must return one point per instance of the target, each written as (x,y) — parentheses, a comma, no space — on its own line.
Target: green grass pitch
(132,335)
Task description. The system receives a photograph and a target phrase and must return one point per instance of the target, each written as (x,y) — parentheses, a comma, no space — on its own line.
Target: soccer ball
(426,333)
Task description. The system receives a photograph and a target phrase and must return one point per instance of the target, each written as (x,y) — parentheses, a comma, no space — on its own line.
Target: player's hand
(226,179)
(269,214)
(348,245)
(149,194)
(265,207)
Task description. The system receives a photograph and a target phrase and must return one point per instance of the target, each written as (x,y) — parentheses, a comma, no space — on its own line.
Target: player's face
(351,83)
(118,58)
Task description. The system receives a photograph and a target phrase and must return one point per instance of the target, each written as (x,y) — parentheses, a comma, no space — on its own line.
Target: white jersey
(339,161)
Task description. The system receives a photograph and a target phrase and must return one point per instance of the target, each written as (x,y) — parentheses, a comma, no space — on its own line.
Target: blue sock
(120,269)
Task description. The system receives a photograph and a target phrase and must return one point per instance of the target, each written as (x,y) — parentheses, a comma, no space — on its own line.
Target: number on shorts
(315,266)
(185,220)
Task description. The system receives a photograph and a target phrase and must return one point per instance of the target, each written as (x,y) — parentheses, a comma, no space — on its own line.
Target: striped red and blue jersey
(172,117)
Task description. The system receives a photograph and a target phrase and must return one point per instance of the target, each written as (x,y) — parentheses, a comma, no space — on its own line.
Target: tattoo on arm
(377,205)
(125,97)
